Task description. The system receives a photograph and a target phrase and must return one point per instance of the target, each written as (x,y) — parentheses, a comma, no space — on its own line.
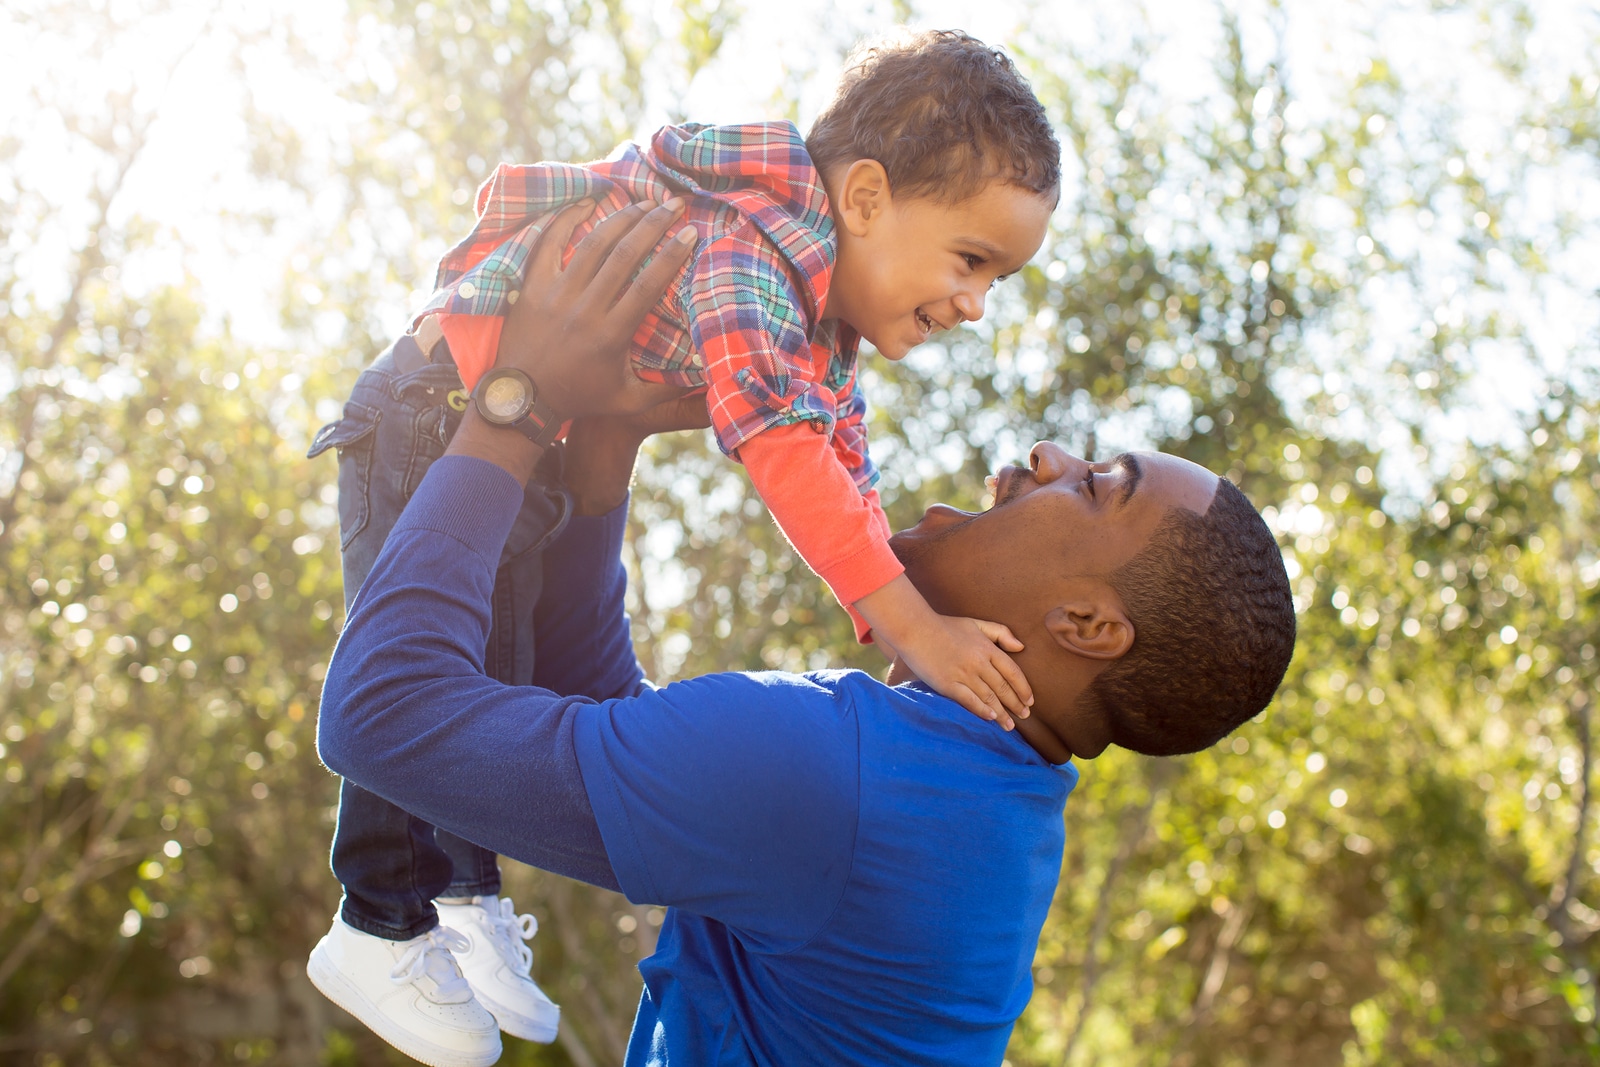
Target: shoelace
(510,931)
(430,956)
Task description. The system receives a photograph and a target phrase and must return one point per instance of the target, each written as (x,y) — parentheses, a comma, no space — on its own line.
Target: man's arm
(597,469)
(580,629)
(731,795)
(407,712)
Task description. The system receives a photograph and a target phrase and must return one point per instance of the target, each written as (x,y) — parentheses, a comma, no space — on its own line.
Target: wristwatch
(507,397)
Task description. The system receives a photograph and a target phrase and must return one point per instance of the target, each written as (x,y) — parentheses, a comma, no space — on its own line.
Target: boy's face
(911,266)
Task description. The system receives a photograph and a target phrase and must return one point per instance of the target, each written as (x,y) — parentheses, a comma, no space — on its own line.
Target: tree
(1294,275)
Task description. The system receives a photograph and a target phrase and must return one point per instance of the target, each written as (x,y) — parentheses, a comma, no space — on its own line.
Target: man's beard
(911,551)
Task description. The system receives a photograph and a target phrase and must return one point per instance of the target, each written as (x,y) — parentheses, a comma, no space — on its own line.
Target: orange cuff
(840,533)
(474,342)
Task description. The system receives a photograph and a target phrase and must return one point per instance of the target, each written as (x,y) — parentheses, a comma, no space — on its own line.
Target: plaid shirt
(742,317)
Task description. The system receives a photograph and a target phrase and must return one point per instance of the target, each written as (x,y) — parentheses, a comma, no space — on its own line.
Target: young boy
(931,175)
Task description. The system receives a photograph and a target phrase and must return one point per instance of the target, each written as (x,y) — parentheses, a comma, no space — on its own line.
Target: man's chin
(937,522)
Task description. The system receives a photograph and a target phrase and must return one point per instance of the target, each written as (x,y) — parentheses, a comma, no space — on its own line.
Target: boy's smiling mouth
(928,323)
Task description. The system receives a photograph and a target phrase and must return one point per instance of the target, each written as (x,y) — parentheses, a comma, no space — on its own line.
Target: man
(855,872)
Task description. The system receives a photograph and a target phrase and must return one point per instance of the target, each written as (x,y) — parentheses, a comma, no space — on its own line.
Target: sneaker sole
(337,988)
(520,1025)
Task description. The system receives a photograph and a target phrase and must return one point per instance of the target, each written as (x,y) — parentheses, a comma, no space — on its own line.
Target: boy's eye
(972,260)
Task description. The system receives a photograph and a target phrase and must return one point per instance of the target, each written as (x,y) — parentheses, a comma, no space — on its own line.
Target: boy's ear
(863,196)
(1094,627)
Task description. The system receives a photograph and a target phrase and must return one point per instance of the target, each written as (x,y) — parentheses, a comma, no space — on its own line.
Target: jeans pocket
(353,436)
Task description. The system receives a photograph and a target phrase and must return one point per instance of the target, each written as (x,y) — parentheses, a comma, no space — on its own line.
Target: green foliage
(1393,865)
(168,562)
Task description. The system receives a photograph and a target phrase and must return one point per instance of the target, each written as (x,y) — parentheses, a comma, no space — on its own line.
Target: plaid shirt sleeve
(850,435)
(482,275)
(744,320)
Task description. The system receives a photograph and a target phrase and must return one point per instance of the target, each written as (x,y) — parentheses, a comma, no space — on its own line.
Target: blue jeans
(400,416)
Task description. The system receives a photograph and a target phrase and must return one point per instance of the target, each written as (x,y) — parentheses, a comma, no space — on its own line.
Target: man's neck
(1039,737)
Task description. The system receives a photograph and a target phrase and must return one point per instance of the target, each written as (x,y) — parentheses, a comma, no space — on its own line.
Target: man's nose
(1050,462)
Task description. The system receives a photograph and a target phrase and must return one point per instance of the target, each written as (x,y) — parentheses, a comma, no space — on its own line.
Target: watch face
(505,398)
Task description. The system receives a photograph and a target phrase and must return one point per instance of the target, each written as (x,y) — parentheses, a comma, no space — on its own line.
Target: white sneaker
(410,993)
(498,963)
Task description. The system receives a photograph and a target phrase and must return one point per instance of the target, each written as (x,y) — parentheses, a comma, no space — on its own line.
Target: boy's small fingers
(1000,634)
(1015,679)
(999,713)
(1009,699)
(993,709)
(974,703)
(1005,692)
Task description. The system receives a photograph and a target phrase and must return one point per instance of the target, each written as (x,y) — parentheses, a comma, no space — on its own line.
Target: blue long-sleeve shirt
(853,873)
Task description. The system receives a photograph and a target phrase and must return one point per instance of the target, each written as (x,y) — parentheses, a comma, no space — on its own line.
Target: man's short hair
(944,113)
(1214,629)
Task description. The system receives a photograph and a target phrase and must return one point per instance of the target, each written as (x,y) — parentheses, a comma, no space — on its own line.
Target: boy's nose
(969,304)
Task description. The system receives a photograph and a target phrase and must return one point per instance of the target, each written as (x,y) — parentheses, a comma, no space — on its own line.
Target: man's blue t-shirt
(854,873)
(834,851)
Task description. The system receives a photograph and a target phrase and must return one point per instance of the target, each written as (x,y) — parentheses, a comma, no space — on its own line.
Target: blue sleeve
(732,796)
(580,631)
(408,713)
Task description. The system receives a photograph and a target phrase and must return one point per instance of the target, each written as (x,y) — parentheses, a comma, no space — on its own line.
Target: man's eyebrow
(1132,472)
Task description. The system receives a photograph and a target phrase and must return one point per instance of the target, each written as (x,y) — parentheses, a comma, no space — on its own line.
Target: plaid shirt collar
(764,170)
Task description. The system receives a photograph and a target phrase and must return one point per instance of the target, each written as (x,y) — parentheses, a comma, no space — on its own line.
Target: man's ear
(1094,627)
(863,195)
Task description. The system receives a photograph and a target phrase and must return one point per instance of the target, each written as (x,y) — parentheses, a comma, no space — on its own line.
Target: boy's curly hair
(943,112)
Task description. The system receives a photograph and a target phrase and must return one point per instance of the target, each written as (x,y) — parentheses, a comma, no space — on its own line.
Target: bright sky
(193,181)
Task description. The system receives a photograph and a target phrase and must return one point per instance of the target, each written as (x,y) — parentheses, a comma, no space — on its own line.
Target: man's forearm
(583,642)
(500,445)
(408,712)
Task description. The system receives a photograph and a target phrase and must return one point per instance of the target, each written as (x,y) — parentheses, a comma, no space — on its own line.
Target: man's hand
(570,328)
(601,449)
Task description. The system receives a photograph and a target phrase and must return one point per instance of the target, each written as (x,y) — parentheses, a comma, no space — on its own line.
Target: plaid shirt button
(467,290)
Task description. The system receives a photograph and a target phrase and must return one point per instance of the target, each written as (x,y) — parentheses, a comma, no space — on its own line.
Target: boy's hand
(570,328)
(963,659)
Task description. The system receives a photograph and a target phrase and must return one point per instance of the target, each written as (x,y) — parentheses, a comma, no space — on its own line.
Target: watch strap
(540,425)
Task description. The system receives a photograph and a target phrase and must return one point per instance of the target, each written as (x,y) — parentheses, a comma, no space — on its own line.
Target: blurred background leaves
(1343,253)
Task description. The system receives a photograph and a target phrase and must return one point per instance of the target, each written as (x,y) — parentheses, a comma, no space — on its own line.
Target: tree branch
(1131,830)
